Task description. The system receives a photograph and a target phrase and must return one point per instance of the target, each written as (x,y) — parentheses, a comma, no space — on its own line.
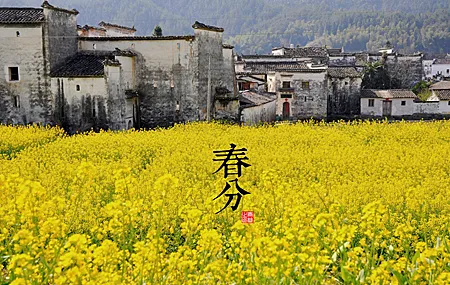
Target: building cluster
(82,77)
(317,82)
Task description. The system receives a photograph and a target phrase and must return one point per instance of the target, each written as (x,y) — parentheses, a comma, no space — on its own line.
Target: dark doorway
(286,111)
(387,108)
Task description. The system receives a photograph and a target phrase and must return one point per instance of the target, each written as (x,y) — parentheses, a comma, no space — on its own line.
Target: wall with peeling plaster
(26,53)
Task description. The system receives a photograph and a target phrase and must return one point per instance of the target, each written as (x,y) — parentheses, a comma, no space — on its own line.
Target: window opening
(17,101)
(13,73)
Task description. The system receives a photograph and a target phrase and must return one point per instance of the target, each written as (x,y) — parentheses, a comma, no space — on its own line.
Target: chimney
(291,46)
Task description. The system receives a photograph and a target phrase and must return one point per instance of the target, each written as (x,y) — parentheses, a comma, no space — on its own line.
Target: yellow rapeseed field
(341,203)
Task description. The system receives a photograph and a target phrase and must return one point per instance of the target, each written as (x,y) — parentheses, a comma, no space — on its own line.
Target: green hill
(255,26)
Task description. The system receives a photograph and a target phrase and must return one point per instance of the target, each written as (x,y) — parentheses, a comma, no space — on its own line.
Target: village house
(339,85)
(440,92)
(302,91)
(257,107)
(387,103)
(406,69)
(106,77)
(33,42)
(441,68)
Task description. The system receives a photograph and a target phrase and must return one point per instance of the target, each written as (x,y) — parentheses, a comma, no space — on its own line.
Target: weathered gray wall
(426,108)
(407,69)
(79,111)
(404,69)
(344,99)
(166,73)
(172,75)
(25,52)
(305,103)
(61,37)
(210,60)
(316,97)
(259,114)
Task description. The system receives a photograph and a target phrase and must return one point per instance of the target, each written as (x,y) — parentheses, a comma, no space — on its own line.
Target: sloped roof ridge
(201,26)
(21,15)
(48,6)
(102,23)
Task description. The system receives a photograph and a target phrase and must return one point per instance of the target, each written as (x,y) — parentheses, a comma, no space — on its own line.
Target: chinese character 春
(232,163)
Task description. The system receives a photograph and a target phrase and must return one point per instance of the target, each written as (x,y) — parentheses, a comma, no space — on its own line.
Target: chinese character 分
(232,163)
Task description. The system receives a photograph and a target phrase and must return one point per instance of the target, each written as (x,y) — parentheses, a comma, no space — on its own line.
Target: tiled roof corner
(442,94)
(104,24)
(388,94)
(442,85)
(227,46)
(201,26)
(87,27)
(21,15)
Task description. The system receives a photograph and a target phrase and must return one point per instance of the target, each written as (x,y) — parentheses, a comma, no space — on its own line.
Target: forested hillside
(255,26)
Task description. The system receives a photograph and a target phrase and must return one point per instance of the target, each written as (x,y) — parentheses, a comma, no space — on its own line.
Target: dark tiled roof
(249,78)
(251,98)
(302,70)
(402,94)
(442,61)
(443,94)
(137,38)
(48,6)
(103,24)
(334,50)
(343,72)
(261,56)
(83,64)
(443,85)
(87,27)
(391,94)
(264,67)
(306,52)
(21,15)
(227,46)
(198,25)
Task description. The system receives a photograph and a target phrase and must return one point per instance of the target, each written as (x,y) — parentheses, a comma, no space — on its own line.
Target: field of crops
(360,203)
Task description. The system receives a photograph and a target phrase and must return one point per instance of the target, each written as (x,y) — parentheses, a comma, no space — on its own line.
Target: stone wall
(165,75)
(28,99)
(172,75)
(304,102)
(214,63)
(258,114)
(61,36)
(312,101)
(344,96)
(426,107)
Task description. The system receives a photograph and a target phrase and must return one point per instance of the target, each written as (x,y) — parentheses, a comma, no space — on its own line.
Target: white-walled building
(386,103)
(257,107)
(441,93)
(441,68)
(53,71)
(302,92)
